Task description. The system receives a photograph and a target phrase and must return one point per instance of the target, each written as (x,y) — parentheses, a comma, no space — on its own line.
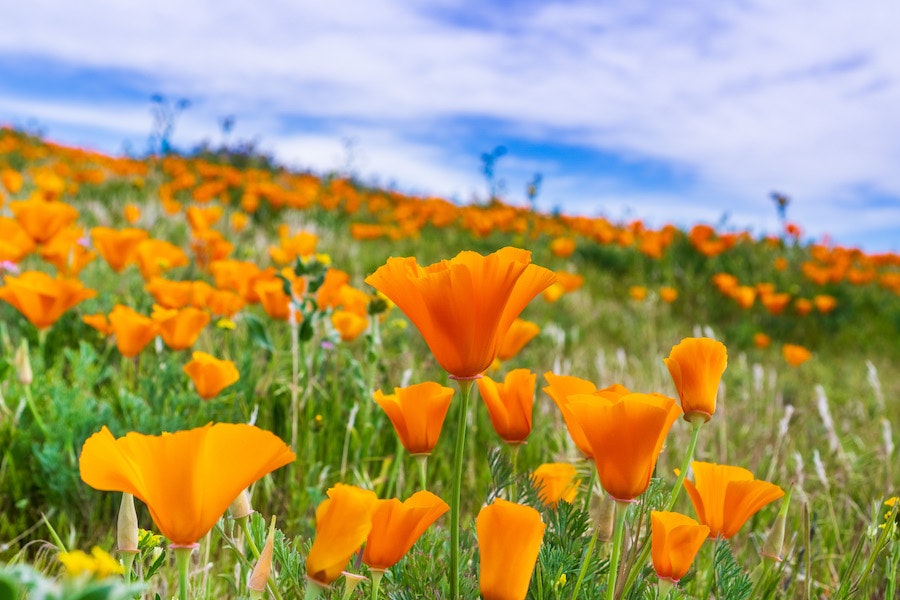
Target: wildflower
(626,434)
(725,496)
(668,294)
(188,478)
(417,413)
(510,404)
(99,564)
(761,340)
(180,328)
(118,247)
(696,366)
(555,482)
(11,180)
(210,375)
(637,293)
(560,389)
(238,221)
(397,525)
(15,243)
(155,256)
(343,522)
(824,303)
(42,299)
(349,324)
(133,330)
(41,219)
(464,306)
(132,213)
(675,540)
(795,355)
(509,539)
(520,333)
(563,247)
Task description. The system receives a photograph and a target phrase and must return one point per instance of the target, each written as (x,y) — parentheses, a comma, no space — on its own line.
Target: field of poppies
(222,379)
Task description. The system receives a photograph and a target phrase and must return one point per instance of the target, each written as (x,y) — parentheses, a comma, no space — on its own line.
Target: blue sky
(671,112)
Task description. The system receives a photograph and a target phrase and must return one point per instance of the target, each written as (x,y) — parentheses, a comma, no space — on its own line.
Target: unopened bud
(23,364)
(127,526)
(241,507)
(259,578)
(775,540)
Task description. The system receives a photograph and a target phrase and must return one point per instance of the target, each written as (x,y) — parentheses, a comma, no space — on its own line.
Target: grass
(771,417)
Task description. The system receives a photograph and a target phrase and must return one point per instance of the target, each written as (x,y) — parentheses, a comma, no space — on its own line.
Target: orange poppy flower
(744,295)
(510,404)
(133,330)
(238,221)
(675,540)
(188,478)
(795,355)
(348,324)
(464,306)
(509,539)
(210,375)
(328,293)
(42,299)
(761,340)
(725,496)
(132,213)
(11,180)
(397,525)
(520,333)
(562,387)
(696,366)
(803,306)
(170,294)
(118,247)
(181,327)
(68,251)
(668,294)
(155,256)
(41,219)
(224,303)
(417,413)
(555,482)
(343,522)
(626,435)
(15,243)
(563,247)
(637,292)
(825,303)
(98,322)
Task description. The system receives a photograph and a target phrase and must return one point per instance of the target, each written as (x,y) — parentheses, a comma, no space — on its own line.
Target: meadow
(145,299)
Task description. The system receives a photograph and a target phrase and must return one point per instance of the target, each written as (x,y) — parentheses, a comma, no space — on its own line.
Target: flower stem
(313,590)
(584,563)
(618,541)
(29,400)
(245,526)
(183,561)
(465,388)
(514,490)
(376,583)
(422,461)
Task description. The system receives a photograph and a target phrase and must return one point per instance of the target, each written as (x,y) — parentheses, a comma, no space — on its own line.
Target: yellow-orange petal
(509,539)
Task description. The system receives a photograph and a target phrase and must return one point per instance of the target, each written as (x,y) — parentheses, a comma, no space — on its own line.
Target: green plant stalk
(590,487)
(376,582)
(313,590)
(894,558)
(245,527)
(127,564)
(584,563)
(514,490)
(422,461)
(696,424)
(465,388)
(183,561)
(29,400)
(295,383)
(618,542)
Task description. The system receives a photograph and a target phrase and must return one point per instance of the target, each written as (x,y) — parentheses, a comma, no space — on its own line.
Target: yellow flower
(99,564)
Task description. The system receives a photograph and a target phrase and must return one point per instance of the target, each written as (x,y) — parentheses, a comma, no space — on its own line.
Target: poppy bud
(127,526)
(23,364)
(259,577)
(775,540)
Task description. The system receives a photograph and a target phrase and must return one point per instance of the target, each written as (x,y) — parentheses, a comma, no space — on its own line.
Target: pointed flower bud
(259,577)
(774,546)
(23,364)
(127,526)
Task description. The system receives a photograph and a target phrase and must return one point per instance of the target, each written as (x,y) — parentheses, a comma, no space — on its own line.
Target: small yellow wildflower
(99,564)
(225,323)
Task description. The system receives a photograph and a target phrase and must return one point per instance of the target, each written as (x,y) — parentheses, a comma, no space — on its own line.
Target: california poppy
(725,496)
(795,355)
(509,539)
(348,324)
(69,251)
(696,366)
(43,299)
(180,328)
(210,375)
(133,330)
(555,482)
(417,413)
(520,333)
(510,404)
(397,525)
(668,294)
(626,435)
(343,522)
(15,243)
(188,478)
(41,219)
(675,540)
(464,306)
(155,256)
(117,246)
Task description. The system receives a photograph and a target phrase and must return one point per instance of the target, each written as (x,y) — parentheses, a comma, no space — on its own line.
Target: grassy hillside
(245,246)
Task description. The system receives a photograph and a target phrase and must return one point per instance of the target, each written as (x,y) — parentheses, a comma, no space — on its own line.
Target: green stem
(514,490)
(892,578)
(465,388)
(376,582)
(183,561)
(295,376)
(590,488)
(422,461)
(618,542)
(29,400)
(313,590)
(697,424)
(127,563)
(585,562)
(245,526)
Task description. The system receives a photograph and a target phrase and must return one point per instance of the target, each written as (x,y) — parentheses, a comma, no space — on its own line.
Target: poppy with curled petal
(417,413)
(133,330)
(510,404)
(180,328)
(210,375)
(397,525)
(509,539)
(188,478)
(343,522)
(696,366)
(43,299)
(520,333)
(464,306)
(675,540)
(725,496)
(626,434)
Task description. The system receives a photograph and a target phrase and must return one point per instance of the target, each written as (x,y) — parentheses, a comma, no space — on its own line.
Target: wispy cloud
(729,99)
